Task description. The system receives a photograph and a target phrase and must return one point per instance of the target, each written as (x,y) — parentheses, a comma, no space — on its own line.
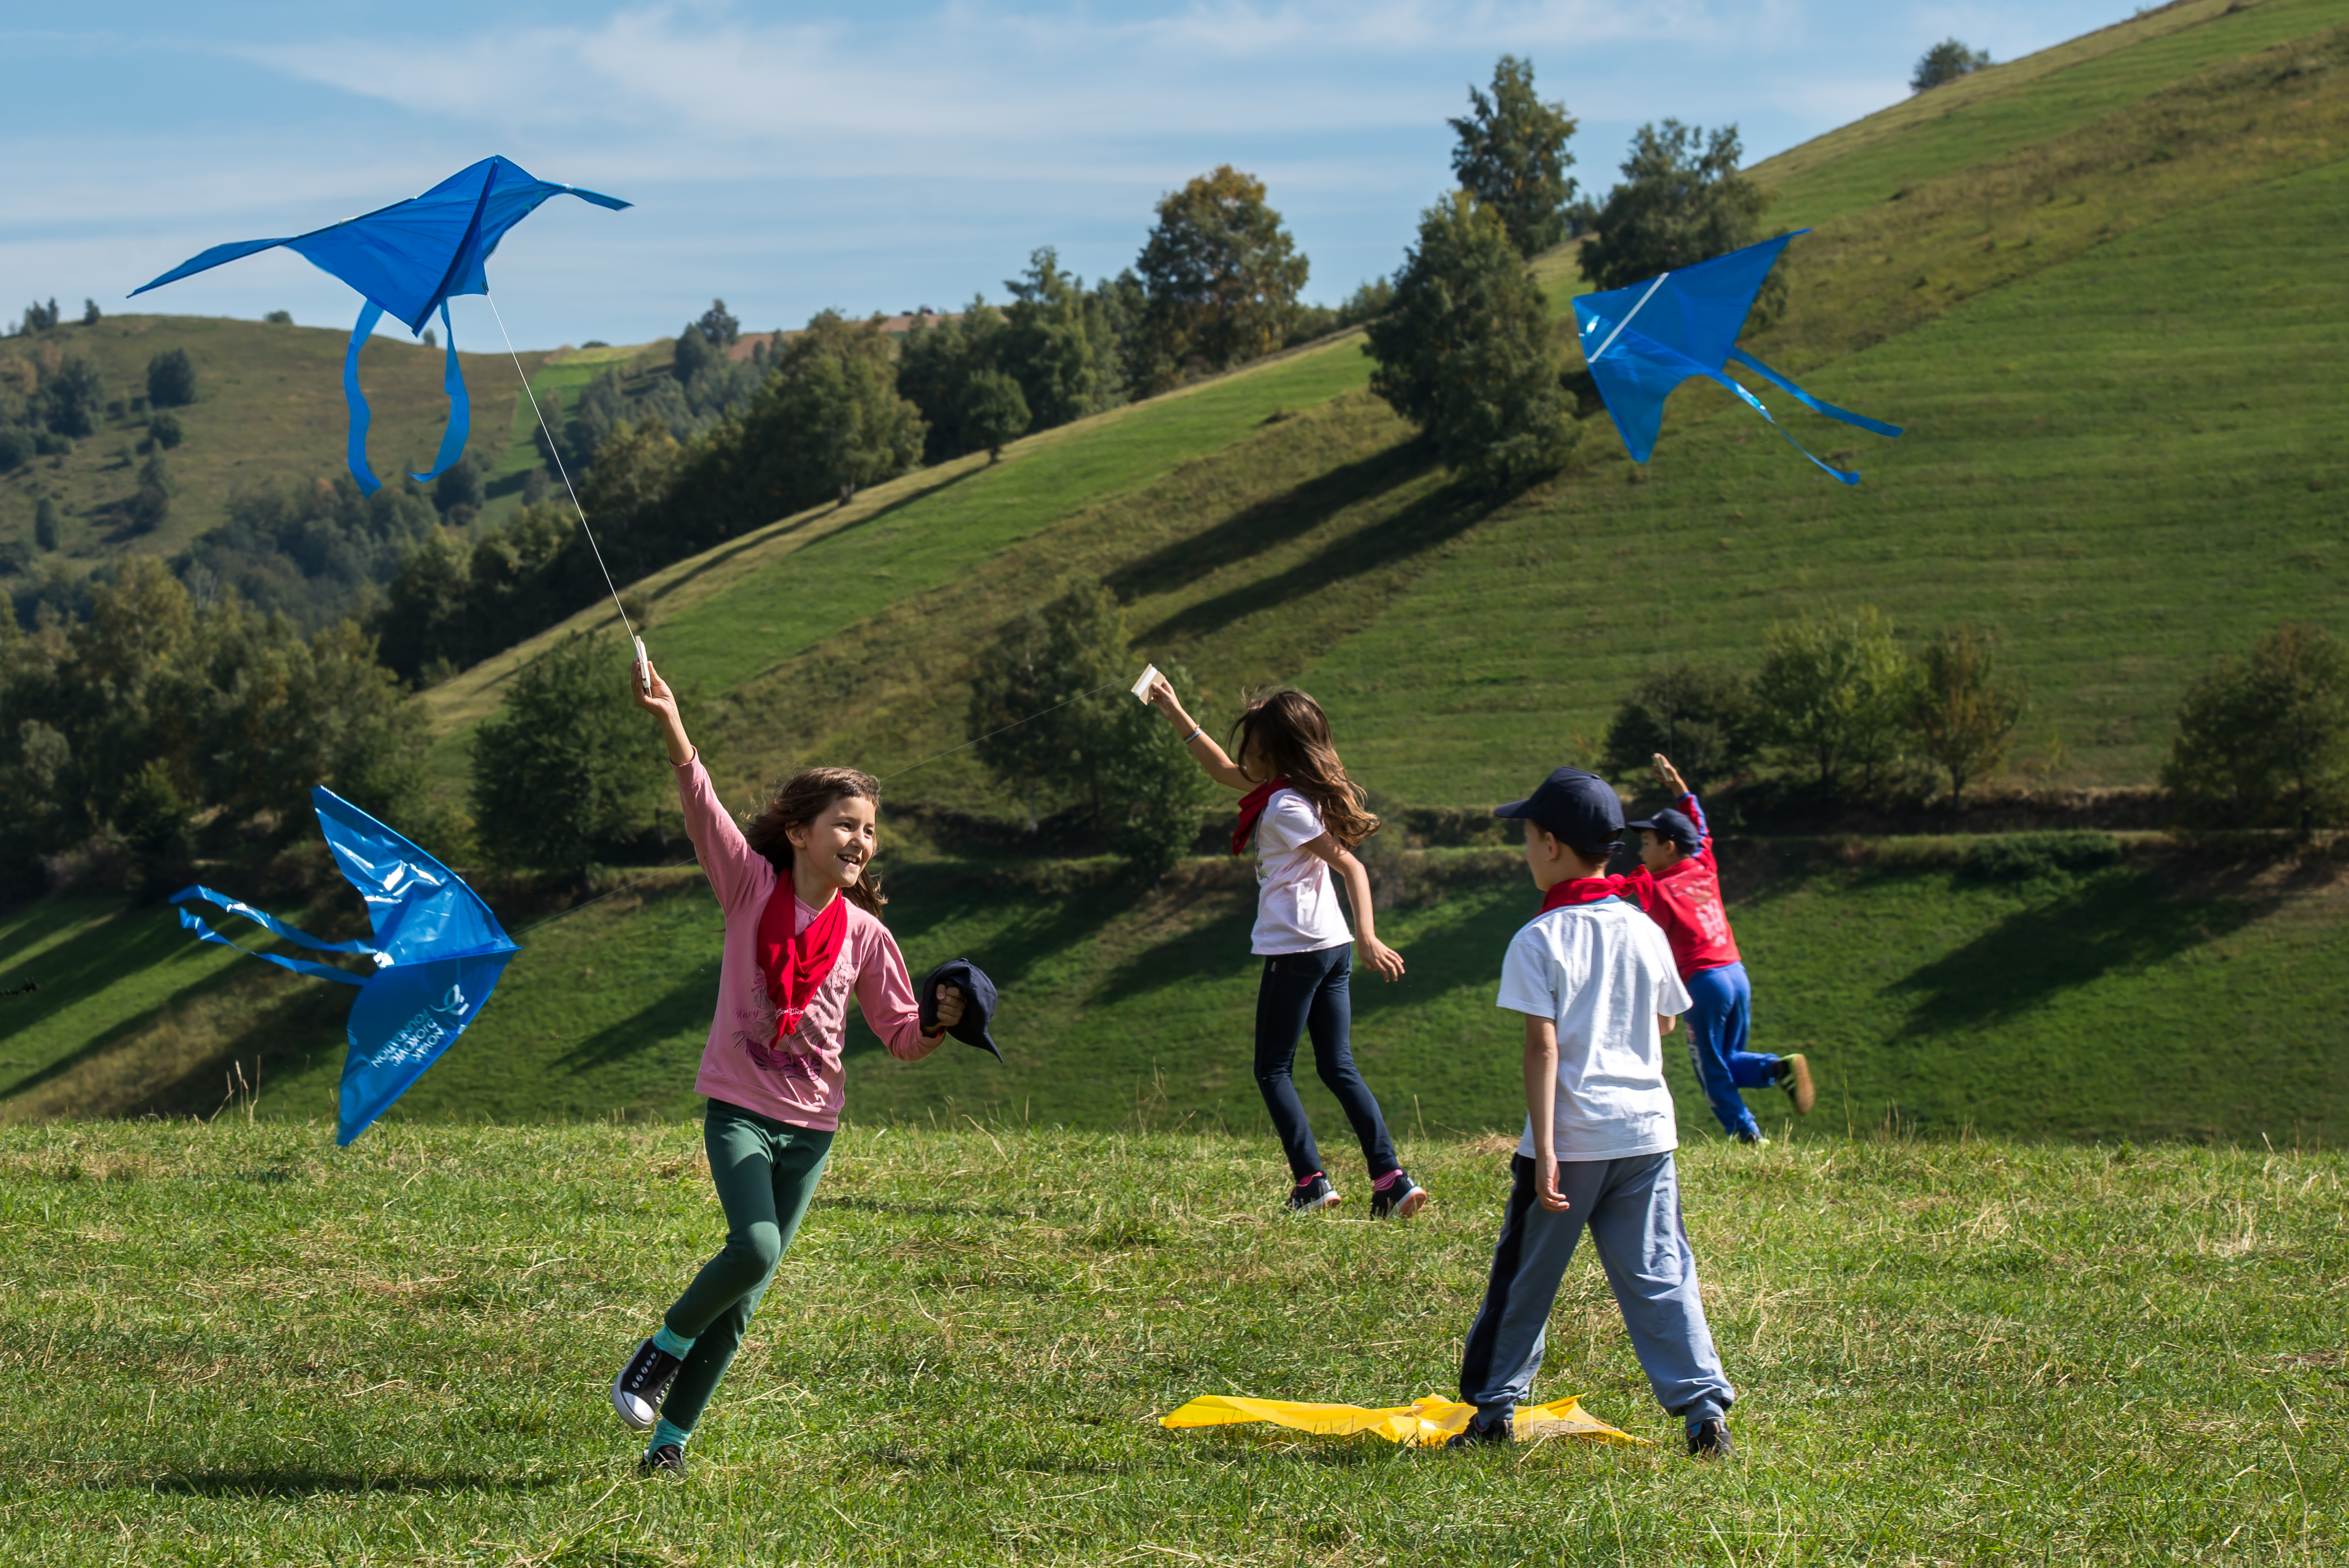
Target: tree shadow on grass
(2116,922)
(305,1481)
(1257,528)
(1442,514)
(683,1009)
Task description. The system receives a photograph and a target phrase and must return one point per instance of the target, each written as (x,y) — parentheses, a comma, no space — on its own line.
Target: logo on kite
(408,258)
(1643,341)
(435,946)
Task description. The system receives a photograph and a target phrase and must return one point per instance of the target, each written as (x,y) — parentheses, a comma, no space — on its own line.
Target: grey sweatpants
(1633,1210)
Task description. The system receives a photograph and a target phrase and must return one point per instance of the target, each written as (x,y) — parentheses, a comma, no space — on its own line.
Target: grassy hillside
(234,1344)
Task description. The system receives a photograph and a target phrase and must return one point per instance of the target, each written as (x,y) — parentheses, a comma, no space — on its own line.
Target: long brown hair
(1290,734)
(801,800)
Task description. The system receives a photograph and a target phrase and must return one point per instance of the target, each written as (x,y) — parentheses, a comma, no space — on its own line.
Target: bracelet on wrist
(1196,730)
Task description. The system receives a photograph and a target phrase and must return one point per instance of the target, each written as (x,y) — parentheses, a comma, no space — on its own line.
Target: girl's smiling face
(835,848)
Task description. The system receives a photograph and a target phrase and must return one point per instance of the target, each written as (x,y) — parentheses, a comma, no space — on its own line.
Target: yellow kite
(1425,1422)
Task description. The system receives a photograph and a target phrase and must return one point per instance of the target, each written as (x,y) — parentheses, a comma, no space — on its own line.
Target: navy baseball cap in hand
(1579,809)
(1673,825)
(978,1002)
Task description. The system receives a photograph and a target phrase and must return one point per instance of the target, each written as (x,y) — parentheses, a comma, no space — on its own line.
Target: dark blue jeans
(1310,993)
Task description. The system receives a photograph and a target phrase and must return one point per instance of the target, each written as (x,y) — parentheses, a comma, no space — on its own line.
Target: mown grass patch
(234,1344)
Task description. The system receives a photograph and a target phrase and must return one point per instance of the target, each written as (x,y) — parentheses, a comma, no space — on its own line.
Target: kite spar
(1654,335)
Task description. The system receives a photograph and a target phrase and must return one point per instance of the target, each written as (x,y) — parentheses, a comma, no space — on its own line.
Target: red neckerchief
(1252,805)
(797,963)
(1639,887)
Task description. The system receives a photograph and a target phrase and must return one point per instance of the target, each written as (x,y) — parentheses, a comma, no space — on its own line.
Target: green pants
(766,1170)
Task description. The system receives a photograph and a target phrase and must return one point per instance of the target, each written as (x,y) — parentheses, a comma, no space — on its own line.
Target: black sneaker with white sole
(643,1383)
(669,1459)
(1485,1430)
(1402,1199)
(1312,1195)
(1709,1440)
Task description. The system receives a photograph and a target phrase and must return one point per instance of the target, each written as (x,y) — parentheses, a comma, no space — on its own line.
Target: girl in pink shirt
(803,935)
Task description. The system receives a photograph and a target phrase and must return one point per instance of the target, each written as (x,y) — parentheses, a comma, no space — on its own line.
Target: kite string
(901,772)
(556,451)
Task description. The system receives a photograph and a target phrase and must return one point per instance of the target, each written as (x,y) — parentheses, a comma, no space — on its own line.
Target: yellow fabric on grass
(1424,1422)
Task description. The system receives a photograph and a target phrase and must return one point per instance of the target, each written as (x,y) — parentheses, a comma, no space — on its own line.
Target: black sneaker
(1402,1198)
(1794,1076)
(669,1459)
(643,1383)
(1312,1196)
(1484,1431)
(1710,1440)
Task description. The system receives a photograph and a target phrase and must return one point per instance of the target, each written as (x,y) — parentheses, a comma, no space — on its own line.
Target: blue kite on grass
(438,953)
(408,258)
(1643,341)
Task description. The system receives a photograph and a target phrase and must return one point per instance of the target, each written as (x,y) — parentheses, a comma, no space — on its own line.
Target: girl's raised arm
(1195,738)
(725,856)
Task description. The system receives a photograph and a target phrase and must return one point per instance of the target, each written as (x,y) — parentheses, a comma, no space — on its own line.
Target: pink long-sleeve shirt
(801,1081)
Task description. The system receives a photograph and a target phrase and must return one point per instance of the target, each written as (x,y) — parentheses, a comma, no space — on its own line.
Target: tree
(47,524)
(165,430)
(833,406)
(461,486)
(74,396)
(1701,717)
(994,412)
(2264,741)
(1946,62)
(1221,276)
(279,318)
(1045,729)
(1962,713)
(170,380)
(1468,353)
(566,768)
(694,350)
(1828,693)
(1682,202)
(718,325)
(1511,157)
(90,313)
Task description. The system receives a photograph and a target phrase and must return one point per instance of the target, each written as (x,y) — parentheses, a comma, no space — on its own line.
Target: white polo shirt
(1602,972)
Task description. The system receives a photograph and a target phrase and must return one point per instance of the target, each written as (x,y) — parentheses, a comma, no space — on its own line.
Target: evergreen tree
(1511,157)
(48,526)
(562,770)
(170,380)
(1701,717)
(1946,62)
(718,325)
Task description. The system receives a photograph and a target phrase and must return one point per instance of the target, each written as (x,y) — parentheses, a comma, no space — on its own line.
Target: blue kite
(438,953)
(408,258)
(1688,322)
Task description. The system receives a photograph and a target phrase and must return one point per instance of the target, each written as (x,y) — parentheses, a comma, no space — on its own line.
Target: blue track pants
(1720,1011)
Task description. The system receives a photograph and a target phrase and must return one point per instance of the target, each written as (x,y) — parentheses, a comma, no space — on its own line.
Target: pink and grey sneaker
(1312,1195)
(1399,1198)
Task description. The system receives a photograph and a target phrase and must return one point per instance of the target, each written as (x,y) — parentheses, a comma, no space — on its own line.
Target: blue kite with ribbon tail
(438,953)
(1643,341)
(408,258)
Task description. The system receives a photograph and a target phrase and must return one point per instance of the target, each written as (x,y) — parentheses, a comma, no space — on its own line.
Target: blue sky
(875,156)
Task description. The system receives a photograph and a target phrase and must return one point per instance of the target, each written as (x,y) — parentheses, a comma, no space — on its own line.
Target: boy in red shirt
(1676,846)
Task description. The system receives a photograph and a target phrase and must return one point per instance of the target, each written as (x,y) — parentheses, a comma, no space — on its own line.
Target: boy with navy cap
(1595,980)
(1676,846)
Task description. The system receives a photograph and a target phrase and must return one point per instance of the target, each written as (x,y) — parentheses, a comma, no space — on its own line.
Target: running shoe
(1484,1431)
(669,1459)
(1402,1198)
(643,1383)
(1709,1440)
(1794,1076)
(1312,1195)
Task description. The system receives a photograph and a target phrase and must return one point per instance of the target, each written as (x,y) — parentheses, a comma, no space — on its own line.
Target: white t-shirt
(1602,972)
(1296,899)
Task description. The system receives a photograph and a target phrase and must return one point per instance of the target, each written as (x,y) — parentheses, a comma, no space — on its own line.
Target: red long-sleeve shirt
(1688,904)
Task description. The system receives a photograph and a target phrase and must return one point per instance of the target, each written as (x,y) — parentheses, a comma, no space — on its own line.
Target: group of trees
(156,717)
(39,317)
(1834,700)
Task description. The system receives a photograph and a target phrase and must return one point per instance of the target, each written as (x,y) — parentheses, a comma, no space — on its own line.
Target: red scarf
(1252,805)
(1638,887)
(797,963)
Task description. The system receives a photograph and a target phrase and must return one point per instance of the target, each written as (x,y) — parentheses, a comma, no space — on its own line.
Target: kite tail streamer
(190,920)
(1874,426)
(369,314)
(460,407)
(557,452)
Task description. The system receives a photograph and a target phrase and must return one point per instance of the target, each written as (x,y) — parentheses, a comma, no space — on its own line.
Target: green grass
(234,1345)
(269,407)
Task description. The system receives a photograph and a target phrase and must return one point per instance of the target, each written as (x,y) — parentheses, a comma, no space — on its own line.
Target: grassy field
(2161,996)
(231,1344)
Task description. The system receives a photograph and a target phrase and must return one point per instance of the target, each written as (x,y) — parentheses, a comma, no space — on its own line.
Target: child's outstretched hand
(1669,776)
(649,692)
(1382,958)
(1160,693)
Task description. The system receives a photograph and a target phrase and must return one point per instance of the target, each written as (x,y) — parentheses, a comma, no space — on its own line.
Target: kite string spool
(557,452)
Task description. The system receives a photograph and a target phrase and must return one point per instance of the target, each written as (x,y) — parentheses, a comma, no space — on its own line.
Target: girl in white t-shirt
(1304,817)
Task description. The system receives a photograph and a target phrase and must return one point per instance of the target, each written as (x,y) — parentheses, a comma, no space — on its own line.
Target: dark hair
(801,800)
(1290,734)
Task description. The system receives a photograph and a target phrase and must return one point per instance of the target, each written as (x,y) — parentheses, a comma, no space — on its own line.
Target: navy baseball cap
(978,1007)
(1579,809)
(1673,825)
